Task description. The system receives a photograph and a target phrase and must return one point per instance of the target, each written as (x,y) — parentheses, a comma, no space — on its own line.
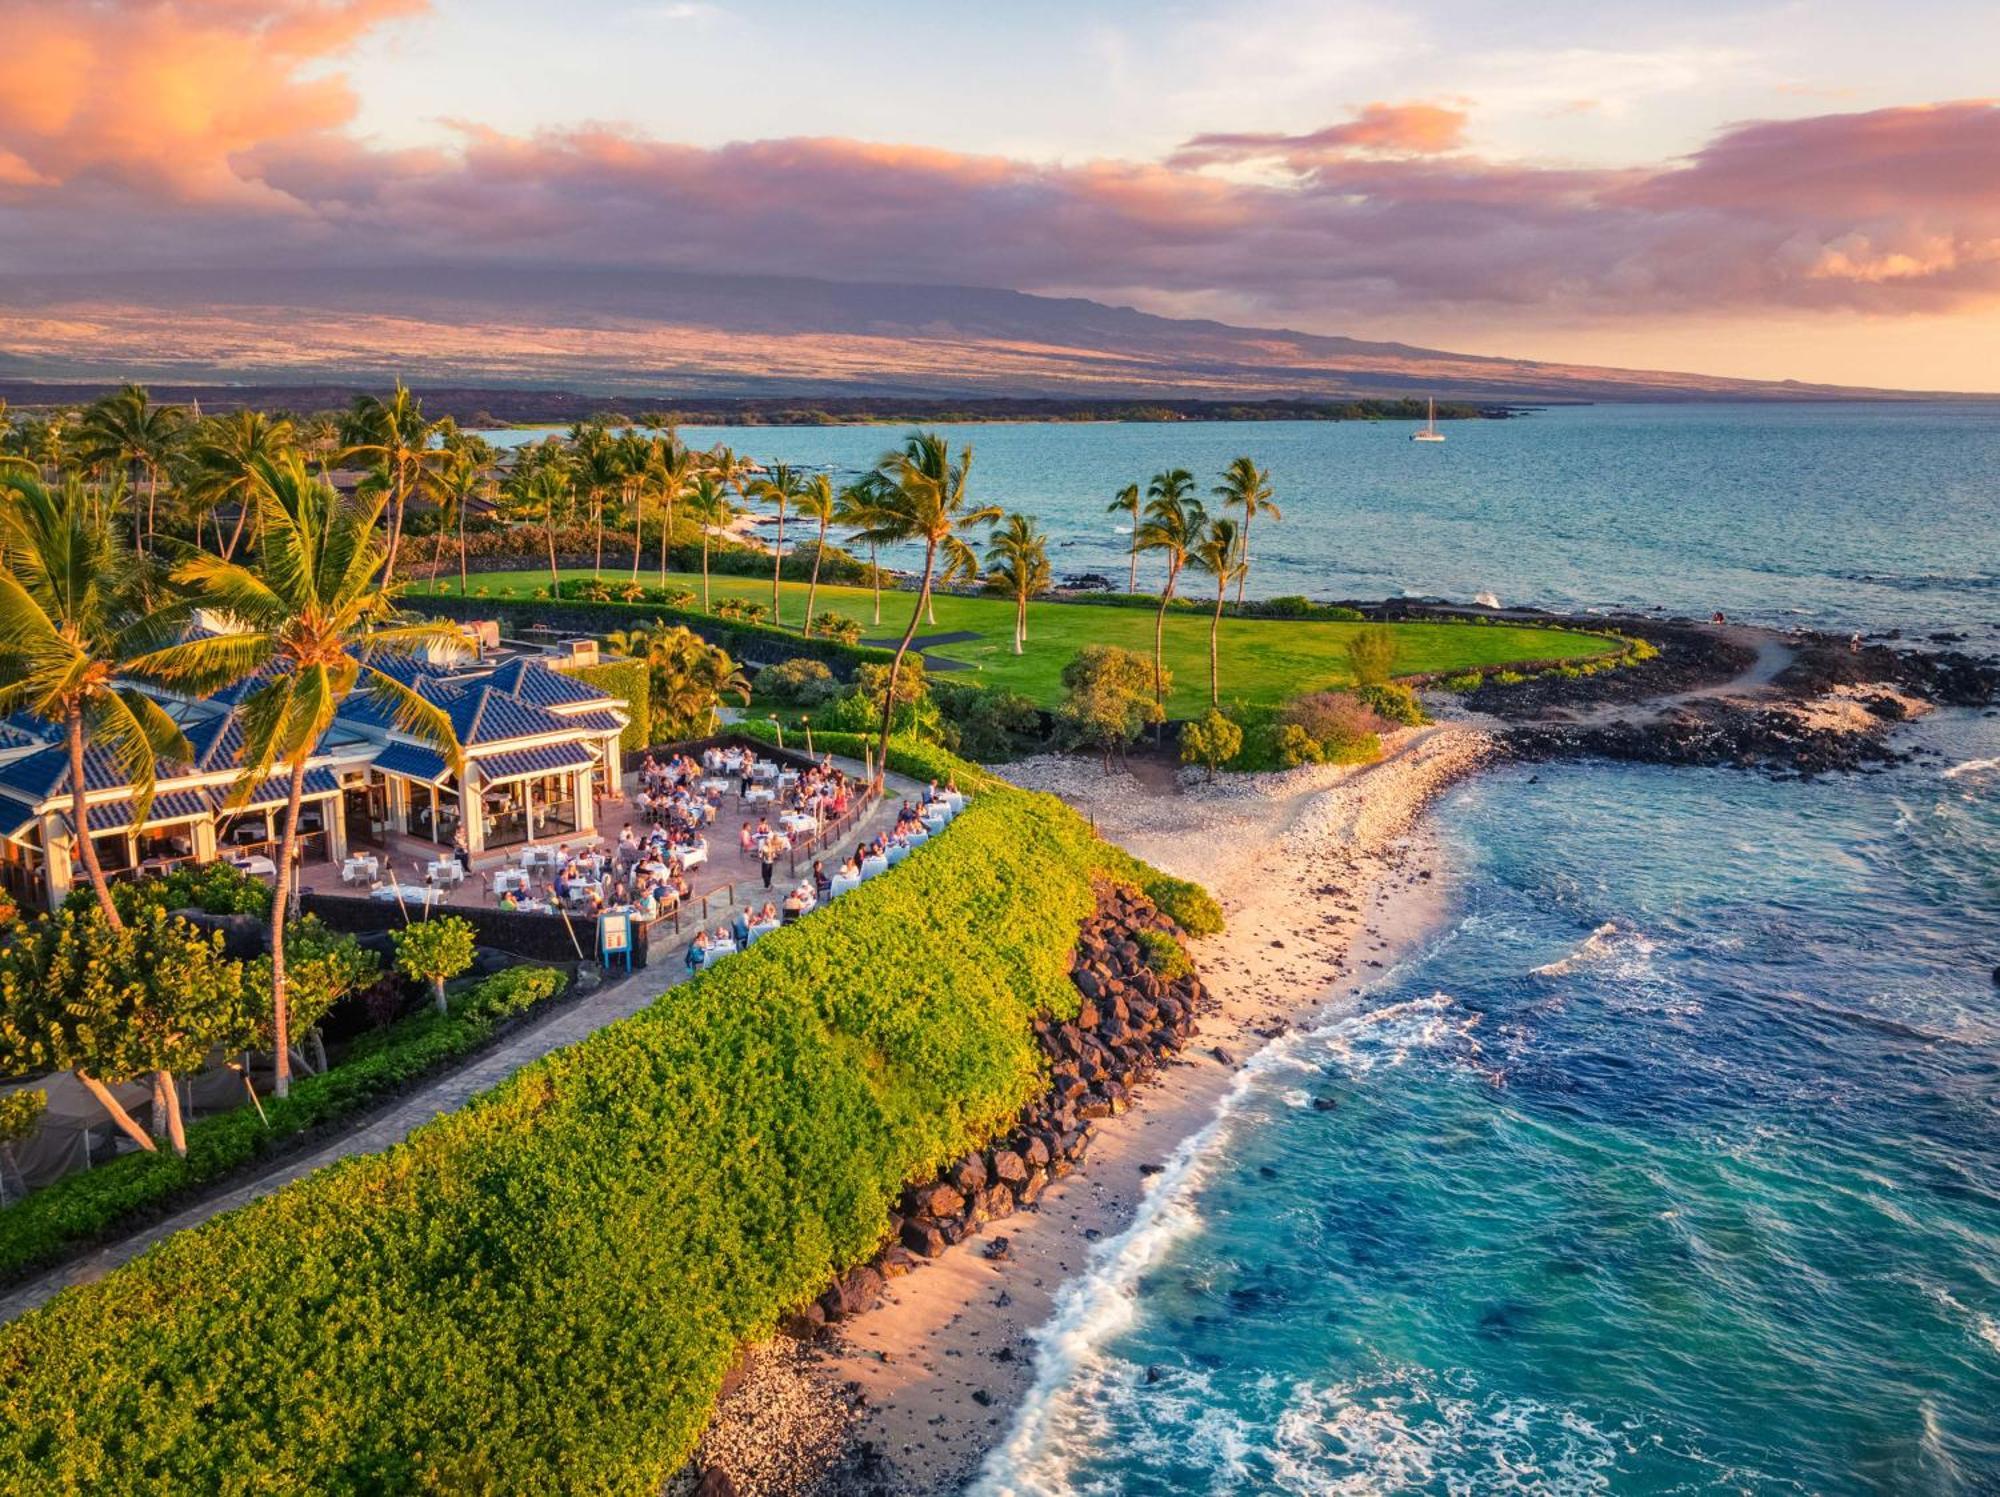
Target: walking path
(449,1092)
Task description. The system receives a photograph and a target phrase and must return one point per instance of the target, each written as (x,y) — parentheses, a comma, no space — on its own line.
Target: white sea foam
(1610,940)
(1060,1419)
(1972,766)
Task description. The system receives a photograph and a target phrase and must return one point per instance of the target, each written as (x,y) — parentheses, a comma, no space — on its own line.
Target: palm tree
(222,463)
(780,486)
(595,462)
(75,617)
(1247,487)
(465,474)
(675,472)
(816,502)
(857,503)
(1017,561)
(312,624)
(538,488)
(127,430)
(1174,518)
(1217,554)
(1127,503)
(711,509)
(392,437)
(923,497)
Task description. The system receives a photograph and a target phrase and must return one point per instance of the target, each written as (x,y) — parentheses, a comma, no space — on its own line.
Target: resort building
(539,745)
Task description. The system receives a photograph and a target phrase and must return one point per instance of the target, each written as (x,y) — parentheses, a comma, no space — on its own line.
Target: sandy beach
(1325,874)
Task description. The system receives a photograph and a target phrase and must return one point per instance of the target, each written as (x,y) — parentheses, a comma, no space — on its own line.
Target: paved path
(448,1093)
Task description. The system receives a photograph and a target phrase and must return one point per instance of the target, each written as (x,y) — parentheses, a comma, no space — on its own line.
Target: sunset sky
(1770,190)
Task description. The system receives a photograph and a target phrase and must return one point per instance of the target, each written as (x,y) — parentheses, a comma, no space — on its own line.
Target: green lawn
(1264,661)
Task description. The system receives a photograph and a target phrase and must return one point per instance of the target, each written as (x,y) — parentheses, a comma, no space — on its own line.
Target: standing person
(460,851)
(767,858)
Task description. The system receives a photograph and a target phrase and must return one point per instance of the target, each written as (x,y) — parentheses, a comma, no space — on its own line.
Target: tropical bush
(541,1292)
(631,683)
(1371,655)
(1292,745)
(1393,702)
(1164,955)
(743,610)
(1108,699)
(837,627)
(1192,907)
(799,682)
(985,722)
(1464,681)
(511,992)
(218,888)
(1344,728)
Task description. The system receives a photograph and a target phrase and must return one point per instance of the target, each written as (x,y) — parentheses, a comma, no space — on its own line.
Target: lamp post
(807,722)
(781,729)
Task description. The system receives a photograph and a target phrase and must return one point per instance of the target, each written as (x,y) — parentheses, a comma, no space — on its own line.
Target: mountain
(633,332)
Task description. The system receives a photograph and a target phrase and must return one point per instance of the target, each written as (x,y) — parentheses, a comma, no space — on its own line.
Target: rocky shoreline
(1138,1001)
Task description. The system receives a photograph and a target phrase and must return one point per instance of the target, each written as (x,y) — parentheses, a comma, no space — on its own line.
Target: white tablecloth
(509,878)
(760,794)
(409,893)
(797,824)
(718,786)
(842,882)
(872,866)
(357,869)
(955,800)
(692,857)
(758,931)
(448,871)
(716,952)
(258,866)
(917,837)
(897,852)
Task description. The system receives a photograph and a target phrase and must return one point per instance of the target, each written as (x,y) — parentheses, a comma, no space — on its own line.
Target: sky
(1774,190)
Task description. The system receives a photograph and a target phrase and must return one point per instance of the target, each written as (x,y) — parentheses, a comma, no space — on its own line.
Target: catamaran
(1429,432)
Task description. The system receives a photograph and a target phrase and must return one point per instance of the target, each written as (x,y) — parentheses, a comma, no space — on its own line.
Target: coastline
(1327,877)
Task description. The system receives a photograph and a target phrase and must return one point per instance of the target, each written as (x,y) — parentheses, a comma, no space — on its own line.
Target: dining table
(257,866)
(716,951)
(871,866)
(842,882)
(761,928)
(798,823)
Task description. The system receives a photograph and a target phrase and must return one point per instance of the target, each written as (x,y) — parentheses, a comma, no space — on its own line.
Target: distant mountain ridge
(632,331)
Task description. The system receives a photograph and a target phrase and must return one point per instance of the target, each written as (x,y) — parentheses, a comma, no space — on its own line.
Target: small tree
(112,1004)
(1211,741)
(1108,699)
(1371,655)
(434,951)
(837,626)
(322,967)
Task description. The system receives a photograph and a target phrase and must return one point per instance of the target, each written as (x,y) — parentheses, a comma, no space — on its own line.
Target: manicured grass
(1264,661)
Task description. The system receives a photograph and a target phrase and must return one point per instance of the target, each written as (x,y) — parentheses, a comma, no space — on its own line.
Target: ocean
(1844,515)
(1671,1164)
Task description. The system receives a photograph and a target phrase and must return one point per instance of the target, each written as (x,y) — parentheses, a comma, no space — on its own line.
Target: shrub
(551,1282)
(1212,740)
(1507,678)
(510,992)
(1394,702)
(217,888)
(838,627)
(1464,681)
(799,682)
(986,723)
(632,684)
(434,951)
(1164,955)
(741,610)
(1329,716)
(1190,906)
(21,1113)
(1292,745)
(1371,655)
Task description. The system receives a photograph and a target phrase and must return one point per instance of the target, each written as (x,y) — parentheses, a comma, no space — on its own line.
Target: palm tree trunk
(462,588)
(1020,623)
(437,557)
(281,1015)
(597,519)
(236,535)
(79,817)
(1133,586)
(1214,658)
(638,532)
(875,574)
(778,568)
(666,534)
(555,577)
(704,569)
(116,1109)
(896,665)
(1243,572)
(395,526)
(812,587)
(1159,647)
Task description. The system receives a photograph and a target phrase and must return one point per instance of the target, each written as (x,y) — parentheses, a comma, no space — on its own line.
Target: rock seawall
(1131,1019)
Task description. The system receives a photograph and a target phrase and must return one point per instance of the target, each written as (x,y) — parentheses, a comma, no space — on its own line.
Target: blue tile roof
(595,722)
(173,805)
(551,759)
(45,772)
(534,682)
(480,714)
(18,728)
(412,761)
(277,789)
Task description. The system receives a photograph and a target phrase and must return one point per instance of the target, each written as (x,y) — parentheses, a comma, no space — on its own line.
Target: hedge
(630,682)
(86,1208)
(540,1293)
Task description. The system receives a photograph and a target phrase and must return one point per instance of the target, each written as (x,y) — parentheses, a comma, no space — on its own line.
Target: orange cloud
(1411,129)
(158,95)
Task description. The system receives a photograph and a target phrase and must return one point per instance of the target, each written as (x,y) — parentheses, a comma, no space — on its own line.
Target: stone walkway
(449,1092)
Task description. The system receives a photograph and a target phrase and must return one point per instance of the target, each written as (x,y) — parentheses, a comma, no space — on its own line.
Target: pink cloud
(141,132)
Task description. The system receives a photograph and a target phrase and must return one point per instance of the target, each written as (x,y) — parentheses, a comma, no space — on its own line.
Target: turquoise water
(1844,515)
(1672,1166)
